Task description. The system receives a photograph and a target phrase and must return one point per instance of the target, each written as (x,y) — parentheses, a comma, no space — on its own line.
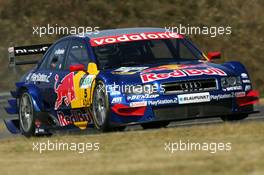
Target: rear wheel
(26,115)
(152,125)
(234,117)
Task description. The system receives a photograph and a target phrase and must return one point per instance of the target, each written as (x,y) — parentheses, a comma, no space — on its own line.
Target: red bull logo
(172,67)
(74,117)
(165,67)
(149,77)
(65,90)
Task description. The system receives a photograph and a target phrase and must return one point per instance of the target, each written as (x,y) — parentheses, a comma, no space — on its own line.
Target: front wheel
(100,108)
(26,115)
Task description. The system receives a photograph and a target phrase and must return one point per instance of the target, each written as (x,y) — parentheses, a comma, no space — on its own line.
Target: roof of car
(122,31)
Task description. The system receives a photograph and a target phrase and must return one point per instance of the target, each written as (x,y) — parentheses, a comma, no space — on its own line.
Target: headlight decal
(231,83)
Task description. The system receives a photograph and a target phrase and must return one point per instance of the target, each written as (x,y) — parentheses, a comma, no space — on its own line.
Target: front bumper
(172,111)
(200,110)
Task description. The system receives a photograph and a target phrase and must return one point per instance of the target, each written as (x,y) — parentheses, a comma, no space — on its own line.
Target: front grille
(193,110)
(190,86)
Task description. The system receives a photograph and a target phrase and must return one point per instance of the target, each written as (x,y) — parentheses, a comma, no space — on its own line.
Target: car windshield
(145,52)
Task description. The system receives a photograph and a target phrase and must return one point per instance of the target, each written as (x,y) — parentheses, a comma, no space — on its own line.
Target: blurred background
(246,17)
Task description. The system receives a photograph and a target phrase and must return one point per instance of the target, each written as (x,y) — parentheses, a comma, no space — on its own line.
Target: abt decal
(133,37)
(65,90)
(149,77)
(116,100)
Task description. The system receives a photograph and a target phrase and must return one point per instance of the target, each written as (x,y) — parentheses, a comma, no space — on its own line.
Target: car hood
(168,72)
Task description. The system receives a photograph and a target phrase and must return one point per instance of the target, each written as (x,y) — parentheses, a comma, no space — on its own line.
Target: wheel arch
(36,96)
(236,65)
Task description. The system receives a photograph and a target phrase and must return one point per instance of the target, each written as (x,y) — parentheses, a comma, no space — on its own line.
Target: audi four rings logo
(188,86)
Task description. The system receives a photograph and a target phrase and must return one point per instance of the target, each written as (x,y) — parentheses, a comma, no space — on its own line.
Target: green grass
(142,152)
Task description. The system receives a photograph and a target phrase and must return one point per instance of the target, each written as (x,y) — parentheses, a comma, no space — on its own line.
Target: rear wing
(14,52)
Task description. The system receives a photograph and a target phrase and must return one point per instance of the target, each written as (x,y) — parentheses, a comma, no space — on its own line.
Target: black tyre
(100,108)
(234,117)
(152,125)
(26,115)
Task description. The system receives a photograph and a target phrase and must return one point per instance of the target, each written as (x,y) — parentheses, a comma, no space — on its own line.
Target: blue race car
(121,77)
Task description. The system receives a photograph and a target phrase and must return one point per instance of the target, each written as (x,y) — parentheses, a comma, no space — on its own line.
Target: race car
(121,77)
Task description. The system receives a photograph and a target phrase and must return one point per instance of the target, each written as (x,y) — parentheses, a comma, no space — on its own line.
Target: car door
(78,55)
(52,77)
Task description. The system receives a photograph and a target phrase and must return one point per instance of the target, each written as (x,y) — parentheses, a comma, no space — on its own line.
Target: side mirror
(93,69)
(77,67)
(213,55)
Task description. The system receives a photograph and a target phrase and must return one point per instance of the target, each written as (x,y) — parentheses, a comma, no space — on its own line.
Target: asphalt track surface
(4,133)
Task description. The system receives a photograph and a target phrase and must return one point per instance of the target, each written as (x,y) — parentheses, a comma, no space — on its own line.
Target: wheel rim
(26,113)
(99,105)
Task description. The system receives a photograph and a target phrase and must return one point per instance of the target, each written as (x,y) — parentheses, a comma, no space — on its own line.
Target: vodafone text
(133,37)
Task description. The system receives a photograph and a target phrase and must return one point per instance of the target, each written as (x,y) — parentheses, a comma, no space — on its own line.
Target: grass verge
(142,152)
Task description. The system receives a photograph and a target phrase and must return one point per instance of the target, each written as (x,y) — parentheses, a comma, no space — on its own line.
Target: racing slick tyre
(234,117)
(100,108)
(152,125)
(27,115)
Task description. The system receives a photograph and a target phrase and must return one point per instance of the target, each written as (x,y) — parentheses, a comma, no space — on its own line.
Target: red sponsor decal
(172,67)
(149,77)
(75,116)
(166,67)
(133,37)
(207,71)
(193,72)
(62,120)
(153,76)
(65,90)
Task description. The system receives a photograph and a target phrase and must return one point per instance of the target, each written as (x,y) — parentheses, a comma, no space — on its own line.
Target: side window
(45,59)
(77,54)
(56,58)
